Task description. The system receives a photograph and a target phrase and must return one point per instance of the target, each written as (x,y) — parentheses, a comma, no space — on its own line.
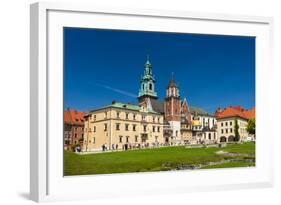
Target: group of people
(129,146)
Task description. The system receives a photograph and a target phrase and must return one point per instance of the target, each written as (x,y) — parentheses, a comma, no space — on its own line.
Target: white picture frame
(46,177)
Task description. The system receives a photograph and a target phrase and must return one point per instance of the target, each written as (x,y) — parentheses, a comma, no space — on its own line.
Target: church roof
(198,111)
(157,106)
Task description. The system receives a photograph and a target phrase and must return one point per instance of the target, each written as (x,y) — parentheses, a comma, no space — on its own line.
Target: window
(153,119)
(95,117)
(158,129)
(209,136)
(127,138)
(143,117)
(230,130)
(222,131)
(136,138)
(226,130)
(230,123)
(105,127)
(225,123)
(94,140)
(176,133)
(134,127)
(127,116)
(153,129)
(134,117)
(222,124)
(126,127)
(156,137)
(75,136)
(94,128)
(120,139)
(150,86)
(118,114)
(144,128)
(117,126)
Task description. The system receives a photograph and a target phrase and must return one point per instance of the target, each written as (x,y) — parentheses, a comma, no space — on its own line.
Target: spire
(147,82)
(172,82)
(147,60)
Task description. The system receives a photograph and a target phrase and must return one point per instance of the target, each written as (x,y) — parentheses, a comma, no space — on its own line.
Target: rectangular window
(134,117)
(144,128)
(95,117)
(230,123)
(120,139)
(225,123)
(75,135)
(126,127)
(222,124)
(105,127)
(127,139)
(136,138)
(230,130)
(153,119)
(134,127)
(226,130)
(94,140)
(158,129)
(143,117)
(153,129)
(118,114)
(117,126)
(222,131)
(94,128)
(127,116)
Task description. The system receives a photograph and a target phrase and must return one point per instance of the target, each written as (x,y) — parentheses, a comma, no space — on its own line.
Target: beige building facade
(122,126)
(226,129)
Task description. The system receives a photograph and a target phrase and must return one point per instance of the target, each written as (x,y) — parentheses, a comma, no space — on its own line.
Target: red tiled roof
(236,111)
(74,117)
(251,114)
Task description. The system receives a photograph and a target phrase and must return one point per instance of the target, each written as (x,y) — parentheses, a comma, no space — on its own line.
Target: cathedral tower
(147,87)
(172,108)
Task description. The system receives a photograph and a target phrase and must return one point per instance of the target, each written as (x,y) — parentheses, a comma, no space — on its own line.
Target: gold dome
(196,123)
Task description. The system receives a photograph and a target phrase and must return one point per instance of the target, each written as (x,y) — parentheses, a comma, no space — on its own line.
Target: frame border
(39,188)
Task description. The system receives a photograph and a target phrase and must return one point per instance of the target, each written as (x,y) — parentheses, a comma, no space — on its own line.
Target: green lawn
(159,159)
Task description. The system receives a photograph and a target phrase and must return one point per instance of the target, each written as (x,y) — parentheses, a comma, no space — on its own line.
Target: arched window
(150,86)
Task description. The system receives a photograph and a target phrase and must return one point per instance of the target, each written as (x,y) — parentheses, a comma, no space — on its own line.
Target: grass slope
(147,160)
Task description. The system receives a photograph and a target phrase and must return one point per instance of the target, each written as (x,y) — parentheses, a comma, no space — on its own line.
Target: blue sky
(105,65)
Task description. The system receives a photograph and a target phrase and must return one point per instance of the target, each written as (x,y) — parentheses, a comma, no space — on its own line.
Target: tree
(236,131)
(251,127)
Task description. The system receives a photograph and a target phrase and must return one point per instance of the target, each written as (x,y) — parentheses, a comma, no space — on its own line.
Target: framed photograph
(133,102)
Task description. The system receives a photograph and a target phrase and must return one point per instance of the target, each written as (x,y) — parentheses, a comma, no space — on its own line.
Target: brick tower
(172,108)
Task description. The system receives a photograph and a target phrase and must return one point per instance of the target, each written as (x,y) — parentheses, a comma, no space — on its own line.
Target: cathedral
(181,123)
